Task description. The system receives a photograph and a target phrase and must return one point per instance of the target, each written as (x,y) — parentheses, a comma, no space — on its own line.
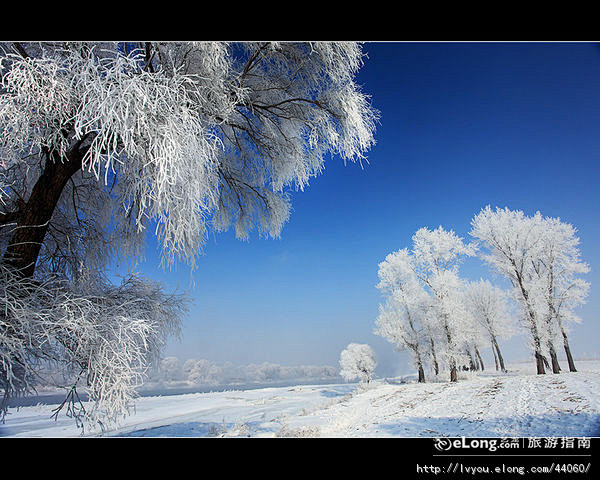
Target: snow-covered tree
(202,372)
(425,310)
(488,305)
(357,360)
(171,369)
(557,273)
(102,144)
(401,318)
(263,372)
(473,338)
(451,318)
(512,240)
(437,256)
(533,252)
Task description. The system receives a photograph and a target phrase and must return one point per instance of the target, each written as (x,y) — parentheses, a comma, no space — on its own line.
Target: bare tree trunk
(479,358)
(472,365)
(453,374)
(568,352)
(419,365)
(495,357)
(539,358)
(436,367)
(497,351)
(566,345)
(34,216)
(421,373)
(540,361)
(553,314)
(452,365)
(553,358)
(417,350)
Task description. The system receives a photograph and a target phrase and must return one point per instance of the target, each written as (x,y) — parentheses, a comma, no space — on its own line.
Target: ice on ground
(483,404)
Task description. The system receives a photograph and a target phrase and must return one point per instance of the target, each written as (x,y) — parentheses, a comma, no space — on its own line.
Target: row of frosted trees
(444,321)
(204,372)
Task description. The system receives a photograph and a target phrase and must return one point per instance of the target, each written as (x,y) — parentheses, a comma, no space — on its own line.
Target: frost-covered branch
(111,333)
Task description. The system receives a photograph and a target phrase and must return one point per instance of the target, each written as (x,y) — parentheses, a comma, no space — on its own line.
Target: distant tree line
(204,372)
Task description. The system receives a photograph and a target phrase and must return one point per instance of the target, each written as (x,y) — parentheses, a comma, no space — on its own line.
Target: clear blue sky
(462,126)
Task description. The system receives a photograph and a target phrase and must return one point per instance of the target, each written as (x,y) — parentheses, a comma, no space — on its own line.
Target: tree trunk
(436,367)
(553,314)
(539,358)
(417,350)
(495,355)
(419,364)
(553,358)
(568,352)
(479,358)
(472,365)
(452,363)
(540,361)
(453,374)
(497,351)
(421,373)
(34,217)
(566,345)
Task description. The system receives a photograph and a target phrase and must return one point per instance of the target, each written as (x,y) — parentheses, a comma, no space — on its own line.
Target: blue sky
(462,126)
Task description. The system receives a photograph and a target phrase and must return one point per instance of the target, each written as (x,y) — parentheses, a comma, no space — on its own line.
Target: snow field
(483,404)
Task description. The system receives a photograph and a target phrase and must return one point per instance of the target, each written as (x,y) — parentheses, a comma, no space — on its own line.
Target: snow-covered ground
(518,403)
